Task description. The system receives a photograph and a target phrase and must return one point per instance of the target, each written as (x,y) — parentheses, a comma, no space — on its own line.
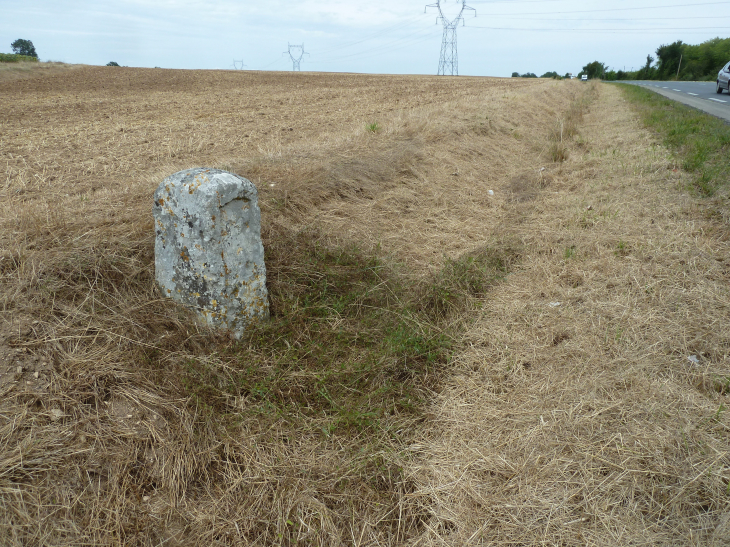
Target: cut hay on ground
(590,406)
(569,412)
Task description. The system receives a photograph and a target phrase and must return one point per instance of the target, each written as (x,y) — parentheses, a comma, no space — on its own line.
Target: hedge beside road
(14,58)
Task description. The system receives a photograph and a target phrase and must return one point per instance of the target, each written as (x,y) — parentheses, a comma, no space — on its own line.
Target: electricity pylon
(238,65)
(450,14)
(296,53)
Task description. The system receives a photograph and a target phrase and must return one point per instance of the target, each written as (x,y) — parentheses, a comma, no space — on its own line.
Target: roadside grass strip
(588,401)
(700,142)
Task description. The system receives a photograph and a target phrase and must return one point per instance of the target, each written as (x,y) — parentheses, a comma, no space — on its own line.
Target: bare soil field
(499,318)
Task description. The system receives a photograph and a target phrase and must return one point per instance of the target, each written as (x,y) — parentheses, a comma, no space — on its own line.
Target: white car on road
(723,79)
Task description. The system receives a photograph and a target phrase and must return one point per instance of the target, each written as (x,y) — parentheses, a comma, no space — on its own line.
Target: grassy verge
(566,127)
(700,142)
(351,347)
(323,397)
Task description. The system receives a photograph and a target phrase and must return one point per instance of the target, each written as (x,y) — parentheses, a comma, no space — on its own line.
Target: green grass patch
(13,58)
(699,141)
(352,346)
(466,277)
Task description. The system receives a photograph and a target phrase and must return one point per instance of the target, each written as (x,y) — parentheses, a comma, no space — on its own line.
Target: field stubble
(579,422)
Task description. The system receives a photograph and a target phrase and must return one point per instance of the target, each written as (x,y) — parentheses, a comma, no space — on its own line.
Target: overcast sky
(376,36)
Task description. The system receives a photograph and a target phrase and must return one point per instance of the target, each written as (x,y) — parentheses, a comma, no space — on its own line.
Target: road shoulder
(705,105)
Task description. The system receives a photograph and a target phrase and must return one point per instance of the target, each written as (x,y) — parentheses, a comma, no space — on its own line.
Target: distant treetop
(112,63)
(24,47)
(594,70)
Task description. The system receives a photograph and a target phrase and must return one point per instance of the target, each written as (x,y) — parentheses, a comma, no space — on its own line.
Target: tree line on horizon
(700,62)
(552,74)
(677,60)
(673,61)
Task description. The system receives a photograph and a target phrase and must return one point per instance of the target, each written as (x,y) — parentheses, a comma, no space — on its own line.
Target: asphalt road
(700,95)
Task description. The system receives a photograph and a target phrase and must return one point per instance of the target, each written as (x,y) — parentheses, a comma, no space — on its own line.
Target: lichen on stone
(198,261)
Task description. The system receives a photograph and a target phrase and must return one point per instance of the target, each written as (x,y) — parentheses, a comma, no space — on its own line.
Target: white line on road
(717,100)
(677,90)
(695,94)
(664,87)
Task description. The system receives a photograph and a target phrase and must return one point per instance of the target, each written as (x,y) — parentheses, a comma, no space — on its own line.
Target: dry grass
(566,126)
(580,423)
(21,70)
(590,407)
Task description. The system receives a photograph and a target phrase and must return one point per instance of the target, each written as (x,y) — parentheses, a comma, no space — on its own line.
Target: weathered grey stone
(208,250)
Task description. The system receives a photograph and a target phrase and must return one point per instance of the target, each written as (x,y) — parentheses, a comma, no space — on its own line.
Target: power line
(602,19)
(380,32)
(613,9)
(279,60)
(379,51)
(414,37)
(556,29)
(514,1)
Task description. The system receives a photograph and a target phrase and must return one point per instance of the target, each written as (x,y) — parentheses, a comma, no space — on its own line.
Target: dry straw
(569,414)
(590,407)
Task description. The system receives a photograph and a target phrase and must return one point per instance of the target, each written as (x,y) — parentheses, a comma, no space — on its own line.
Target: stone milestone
(208,250)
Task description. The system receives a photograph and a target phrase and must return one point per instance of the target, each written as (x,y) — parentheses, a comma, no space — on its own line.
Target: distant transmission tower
(450,14)
(296,53)
(238,65)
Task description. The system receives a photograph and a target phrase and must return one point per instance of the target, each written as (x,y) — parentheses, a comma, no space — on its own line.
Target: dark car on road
(723,79)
